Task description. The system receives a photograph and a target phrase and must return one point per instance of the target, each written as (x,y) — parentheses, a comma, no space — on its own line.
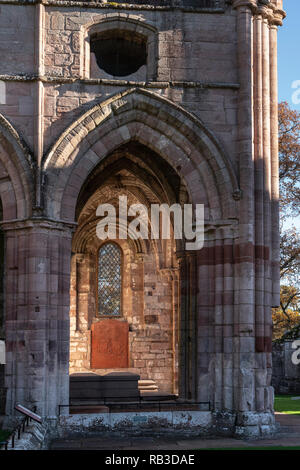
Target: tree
(287,316)
(290,255)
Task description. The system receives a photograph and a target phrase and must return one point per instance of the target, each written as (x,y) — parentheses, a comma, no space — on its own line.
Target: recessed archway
(150,273)
(170,131)
(178,138)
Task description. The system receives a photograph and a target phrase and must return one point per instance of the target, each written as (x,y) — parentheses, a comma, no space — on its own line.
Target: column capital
(265,11)
(277,17)
(36,223)
(252,4)
(271,10)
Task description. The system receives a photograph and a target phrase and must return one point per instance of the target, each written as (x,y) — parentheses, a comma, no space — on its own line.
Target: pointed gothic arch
(16,173)
(175,134)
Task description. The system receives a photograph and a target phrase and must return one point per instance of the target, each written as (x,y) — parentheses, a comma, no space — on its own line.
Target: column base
(255,424)
(244,425)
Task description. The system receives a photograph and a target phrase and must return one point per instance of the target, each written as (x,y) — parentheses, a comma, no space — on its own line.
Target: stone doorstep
(149,388)
(185,422)
(133,419)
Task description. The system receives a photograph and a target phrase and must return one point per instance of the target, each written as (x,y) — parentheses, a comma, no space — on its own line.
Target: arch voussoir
(165,128)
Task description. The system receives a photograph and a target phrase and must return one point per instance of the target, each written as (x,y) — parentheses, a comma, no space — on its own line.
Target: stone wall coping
(108,82)
(112,6)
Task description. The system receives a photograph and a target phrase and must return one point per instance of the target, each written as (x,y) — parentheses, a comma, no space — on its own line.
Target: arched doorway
(125,292)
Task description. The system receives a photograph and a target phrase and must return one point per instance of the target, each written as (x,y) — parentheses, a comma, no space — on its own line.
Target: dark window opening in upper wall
(119,53)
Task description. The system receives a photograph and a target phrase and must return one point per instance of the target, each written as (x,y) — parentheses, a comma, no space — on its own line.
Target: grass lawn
(285,404)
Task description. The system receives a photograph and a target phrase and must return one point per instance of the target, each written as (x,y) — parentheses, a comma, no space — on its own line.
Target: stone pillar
(175,322)
(192,324)
(38,122)
(83,279)
(259,185)
(244,319)
(274,162)
(38,254)
(172,276)
(182,331)
(187,354)
(252,323)
(205,319)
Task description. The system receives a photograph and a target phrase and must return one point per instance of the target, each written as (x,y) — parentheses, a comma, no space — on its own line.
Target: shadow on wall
(2,330)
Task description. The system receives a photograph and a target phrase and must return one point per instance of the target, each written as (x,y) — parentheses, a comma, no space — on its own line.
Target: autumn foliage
(287,315)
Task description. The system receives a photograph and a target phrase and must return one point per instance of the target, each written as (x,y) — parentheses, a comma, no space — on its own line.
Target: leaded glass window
(109,279)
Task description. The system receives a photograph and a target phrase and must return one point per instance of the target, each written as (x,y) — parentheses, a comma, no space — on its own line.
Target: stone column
(187,354)
(182,333)
(265,400)
(175,324)
(259,87)
(192,324)
(205,321)
(38,142)
(244,313)
(38,258)
(274,162)
(253,322)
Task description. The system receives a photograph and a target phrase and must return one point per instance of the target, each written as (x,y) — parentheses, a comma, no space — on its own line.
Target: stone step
(146,382)
(147,385)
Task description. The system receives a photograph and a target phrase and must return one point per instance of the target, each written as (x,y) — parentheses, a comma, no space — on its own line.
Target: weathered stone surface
(196,124)
(34,437)
(109,344)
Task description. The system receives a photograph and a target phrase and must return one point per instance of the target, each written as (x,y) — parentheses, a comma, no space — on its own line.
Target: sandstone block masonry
(196,123)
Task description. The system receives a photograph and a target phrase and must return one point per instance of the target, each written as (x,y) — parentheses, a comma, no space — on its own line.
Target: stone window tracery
(109,280)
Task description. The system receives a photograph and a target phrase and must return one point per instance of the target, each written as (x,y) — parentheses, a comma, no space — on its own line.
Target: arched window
(119,53)
(109,280)
(119,47)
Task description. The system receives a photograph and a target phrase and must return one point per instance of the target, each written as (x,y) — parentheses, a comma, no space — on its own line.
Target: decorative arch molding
(122,22)
(123,174)
(175,134)
(17,173)
(84,240)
